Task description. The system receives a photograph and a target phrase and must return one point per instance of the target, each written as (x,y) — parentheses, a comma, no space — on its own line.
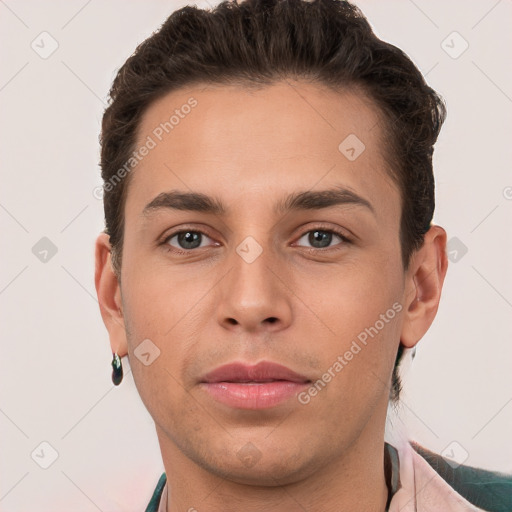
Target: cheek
(155,352)
(162,296)
(165,317)
(358,329)
(346,299)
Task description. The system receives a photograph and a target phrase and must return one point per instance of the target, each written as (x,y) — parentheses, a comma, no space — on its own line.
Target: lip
(257,386)
(261,372)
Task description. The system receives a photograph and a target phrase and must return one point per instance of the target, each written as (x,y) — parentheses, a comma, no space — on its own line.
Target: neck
(354,481)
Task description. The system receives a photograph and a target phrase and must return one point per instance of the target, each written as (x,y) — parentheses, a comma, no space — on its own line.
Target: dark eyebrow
(188,201)
(307,200)
(315,200)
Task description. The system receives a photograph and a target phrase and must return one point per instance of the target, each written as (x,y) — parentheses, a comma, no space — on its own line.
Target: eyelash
(344,238)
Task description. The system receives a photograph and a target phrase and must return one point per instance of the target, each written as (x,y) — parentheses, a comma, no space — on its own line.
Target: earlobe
(109,295)
(424,283)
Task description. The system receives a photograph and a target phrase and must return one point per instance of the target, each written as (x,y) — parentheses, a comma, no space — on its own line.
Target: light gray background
(55,361)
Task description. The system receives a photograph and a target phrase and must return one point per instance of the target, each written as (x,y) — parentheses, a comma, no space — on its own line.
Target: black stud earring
(117,369)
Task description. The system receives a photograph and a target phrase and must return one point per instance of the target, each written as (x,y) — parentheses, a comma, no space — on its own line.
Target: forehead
(232,139)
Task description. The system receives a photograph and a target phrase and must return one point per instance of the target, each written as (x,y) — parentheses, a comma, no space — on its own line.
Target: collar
(421,488)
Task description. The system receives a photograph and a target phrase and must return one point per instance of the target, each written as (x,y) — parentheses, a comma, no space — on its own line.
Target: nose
(256,293)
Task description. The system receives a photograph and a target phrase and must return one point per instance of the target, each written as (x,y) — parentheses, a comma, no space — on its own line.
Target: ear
(423,285)
(109,296)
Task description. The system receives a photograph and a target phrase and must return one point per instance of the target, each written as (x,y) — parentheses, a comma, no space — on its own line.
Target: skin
(251,148)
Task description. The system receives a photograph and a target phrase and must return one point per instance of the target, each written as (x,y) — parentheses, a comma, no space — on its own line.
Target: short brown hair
(328,42)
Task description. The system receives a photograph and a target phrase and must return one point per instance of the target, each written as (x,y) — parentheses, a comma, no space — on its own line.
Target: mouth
(264,371)
(256,381)
(259,386)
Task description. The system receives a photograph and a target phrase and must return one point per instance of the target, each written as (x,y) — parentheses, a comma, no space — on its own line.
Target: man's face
(258,283)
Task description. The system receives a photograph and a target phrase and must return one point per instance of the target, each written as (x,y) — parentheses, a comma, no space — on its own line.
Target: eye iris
(189,237)
(320,236)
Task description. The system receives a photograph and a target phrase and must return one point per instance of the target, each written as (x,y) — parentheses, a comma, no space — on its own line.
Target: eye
(321,238)
(185,241)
